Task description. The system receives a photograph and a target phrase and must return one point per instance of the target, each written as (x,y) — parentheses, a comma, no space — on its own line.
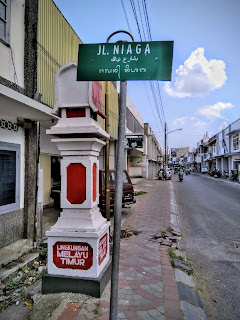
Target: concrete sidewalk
(147,286)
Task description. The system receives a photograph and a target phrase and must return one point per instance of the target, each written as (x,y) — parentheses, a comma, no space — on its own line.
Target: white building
(21,119)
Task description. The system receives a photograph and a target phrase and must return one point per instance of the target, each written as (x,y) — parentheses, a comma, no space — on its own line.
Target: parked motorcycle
(216,173)
(234,176)
(210,172)
(187,171)
(226,175)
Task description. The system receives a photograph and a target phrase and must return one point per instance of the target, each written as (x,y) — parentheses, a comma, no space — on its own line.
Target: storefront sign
(72,255)
(136,142)
(136,161)
(125,61)
(102,249)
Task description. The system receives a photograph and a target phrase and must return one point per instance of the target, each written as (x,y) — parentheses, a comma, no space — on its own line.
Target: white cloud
(179,121)
(195,122)
(197,76)
(199,124)
(215,111)
(223,126)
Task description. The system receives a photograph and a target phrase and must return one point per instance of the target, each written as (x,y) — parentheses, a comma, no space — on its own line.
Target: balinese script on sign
(72,255)
(125,61)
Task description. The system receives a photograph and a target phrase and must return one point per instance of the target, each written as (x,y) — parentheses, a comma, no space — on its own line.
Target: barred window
(235,142)
(5,20)
(9,177)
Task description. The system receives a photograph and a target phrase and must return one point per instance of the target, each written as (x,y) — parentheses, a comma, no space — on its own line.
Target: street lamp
(166,133)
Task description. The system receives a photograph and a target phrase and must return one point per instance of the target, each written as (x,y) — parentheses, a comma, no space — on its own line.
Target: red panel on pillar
(94,173)
(76,183)
(75,112)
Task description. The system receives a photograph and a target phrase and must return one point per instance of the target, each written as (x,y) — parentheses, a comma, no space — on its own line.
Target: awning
(16,105)
(232,132)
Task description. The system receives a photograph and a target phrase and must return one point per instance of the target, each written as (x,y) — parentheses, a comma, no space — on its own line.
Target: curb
(190,300)
(220,179)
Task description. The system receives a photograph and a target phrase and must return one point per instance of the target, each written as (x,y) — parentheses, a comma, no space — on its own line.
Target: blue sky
(204,94)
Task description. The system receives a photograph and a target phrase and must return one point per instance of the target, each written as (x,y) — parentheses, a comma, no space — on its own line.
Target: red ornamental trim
(73,255)
(75,112)
(76,183)
(94,174)
(102,249)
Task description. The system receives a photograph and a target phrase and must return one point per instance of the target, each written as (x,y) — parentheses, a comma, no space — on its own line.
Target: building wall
(18,138)
(11,222)
(235,125)
(45,165)
(12,57)
(112,109)
(135,163)
(11,227)
(46,146)
(112,156)
(57,44)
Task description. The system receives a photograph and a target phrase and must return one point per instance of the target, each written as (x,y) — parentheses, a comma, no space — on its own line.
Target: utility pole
(165,158)
(107,190)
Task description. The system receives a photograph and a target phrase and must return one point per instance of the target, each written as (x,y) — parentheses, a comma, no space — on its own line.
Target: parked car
(167,172)
(128,190)
(204,170)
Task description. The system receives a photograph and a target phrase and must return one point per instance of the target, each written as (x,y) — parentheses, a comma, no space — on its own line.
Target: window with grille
(4,20)
(235,142)
(9,176)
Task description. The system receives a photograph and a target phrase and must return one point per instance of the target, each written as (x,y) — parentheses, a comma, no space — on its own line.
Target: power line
(141,20)
(151,105)
(136,18)
(146,31)
(126,15)
(147,20)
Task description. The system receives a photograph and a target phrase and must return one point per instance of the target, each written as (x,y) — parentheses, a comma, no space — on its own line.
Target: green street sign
(125,61)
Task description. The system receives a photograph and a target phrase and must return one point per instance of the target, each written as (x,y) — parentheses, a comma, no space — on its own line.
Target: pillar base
(78,254)
(92,287)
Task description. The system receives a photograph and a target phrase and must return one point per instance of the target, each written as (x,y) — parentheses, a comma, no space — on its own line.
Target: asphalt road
(209,212)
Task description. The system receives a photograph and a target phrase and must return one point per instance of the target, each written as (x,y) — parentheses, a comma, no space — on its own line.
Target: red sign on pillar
(94,176)
(72,255)
(102,249)
(76,183)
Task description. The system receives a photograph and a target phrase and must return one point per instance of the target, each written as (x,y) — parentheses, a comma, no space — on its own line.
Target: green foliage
(173,257)
(163,233)
(199,289)
(12,285)
(139,193)
(98,310)
(170,229)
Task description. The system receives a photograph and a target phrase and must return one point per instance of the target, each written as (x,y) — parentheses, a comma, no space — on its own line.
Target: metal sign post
(118,202)
(123,61)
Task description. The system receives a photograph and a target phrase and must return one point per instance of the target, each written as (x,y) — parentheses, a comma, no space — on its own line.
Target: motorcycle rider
(180,174)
